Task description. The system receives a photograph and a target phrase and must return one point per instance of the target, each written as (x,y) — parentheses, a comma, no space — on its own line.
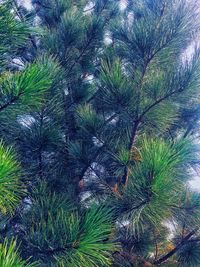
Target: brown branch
(40,150)
(12,101)
(139,119)
(174,250)
(158,101)
(156,246)
(132,141)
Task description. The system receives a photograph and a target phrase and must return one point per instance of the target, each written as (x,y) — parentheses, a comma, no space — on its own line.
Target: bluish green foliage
(101,106)
(72,237)
(13,33)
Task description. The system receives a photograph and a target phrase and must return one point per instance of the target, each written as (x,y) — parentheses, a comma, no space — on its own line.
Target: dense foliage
(99,112)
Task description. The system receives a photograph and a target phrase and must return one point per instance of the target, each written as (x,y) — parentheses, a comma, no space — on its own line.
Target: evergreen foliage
(9,256)
(101,108)
(11,190)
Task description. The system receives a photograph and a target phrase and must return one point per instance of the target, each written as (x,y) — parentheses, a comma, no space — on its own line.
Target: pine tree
(104,134)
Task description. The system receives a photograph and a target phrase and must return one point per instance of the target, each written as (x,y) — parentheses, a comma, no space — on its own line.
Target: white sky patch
(123,223)
(122,4)
(84,196)
(89,8)
(107,39)
(171,227)
(188,53)
(66,91)
(19,63)
(114,120)
(89,78)
(27,203)
(195,184)
(26,120)
(98,167)
(26,3)
(37,21)
(97,142)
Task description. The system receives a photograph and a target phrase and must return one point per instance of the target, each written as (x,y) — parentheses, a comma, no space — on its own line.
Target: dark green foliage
(155,183)
(13,33)
(102,109)
(188,255)
(72,237)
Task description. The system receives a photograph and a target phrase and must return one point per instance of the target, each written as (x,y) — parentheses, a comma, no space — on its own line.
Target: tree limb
(174,250)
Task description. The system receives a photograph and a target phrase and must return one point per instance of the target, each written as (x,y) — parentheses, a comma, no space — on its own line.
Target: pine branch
(40,158)
(21,17)
(189,130)
(101,180)
(173,251)
(139,119)
(11,102)
(132,141)
(92,35)
(96,154)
